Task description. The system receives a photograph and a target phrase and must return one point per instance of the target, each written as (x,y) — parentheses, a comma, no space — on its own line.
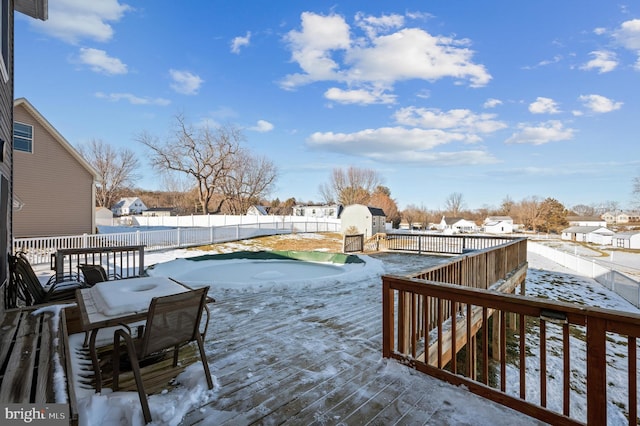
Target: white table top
(115,299)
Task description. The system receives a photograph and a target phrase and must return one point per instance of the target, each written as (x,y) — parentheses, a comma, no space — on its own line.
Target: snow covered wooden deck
(314,356)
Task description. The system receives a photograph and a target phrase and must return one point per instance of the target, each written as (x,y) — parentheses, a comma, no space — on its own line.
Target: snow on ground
(545,279)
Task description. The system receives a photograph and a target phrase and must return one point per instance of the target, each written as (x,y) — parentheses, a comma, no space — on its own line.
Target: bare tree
(584,210)
(116,168)
(454,203)
(530,212)
(205,154)
(250,180)
(418,215)
(351,186)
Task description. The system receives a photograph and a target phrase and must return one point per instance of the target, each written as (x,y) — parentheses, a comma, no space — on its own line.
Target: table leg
(94,359)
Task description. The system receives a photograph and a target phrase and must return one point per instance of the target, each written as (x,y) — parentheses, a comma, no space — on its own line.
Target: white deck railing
(40,249)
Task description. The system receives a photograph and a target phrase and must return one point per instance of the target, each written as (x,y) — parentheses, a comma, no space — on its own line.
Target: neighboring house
(629,240)
(128,206)
(366,220)
(55,184)
(104,216)
(588,234)
(258,210)
(498,225)
(413,226)
(332,211)
(159,211)
(36,9)
(586,221)
(455,225)
(618,217)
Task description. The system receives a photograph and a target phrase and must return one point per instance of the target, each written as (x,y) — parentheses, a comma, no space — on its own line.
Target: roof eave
(38,9)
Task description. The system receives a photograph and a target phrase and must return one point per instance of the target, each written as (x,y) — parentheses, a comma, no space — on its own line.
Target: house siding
(56,189)
(6,134)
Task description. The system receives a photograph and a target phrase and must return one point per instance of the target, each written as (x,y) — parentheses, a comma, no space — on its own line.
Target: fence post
(178,237)
(84,240)
(138,238)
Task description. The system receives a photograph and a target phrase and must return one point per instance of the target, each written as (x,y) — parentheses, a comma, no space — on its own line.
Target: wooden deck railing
(496,337)
(123,261)
(440,243)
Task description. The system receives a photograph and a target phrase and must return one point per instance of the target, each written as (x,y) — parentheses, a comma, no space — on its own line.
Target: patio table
(117,302)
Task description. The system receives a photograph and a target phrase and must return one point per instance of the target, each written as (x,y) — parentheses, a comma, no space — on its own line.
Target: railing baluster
(414,326)
(523,357)
(503,351)
(454,326)
(543,363)
(470,346)
(633,384)
(566,379)
(485,346)
(439,342)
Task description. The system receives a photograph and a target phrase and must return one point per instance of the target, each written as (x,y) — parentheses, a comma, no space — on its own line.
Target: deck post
(596,371)
(387,319)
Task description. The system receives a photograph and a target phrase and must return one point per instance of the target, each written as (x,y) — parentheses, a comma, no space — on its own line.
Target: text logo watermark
(34,414)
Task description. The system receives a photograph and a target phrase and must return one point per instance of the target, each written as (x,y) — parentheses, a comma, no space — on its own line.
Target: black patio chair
(94,274)
(29,289)
(172,321)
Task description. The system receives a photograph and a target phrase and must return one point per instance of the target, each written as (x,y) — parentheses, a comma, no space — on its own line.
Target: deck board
(314,357)
(345,381)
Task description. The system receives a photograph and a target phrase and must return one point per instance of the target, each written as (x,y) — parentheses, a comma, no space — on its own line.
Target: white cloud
(492,103)
(100,62)
(359,96)
(383,140)
(373,25)
(458,120)
(398,144)
(628,35)
(238,42)
(311,48)
(550,131)
(544,106)
(185,82)
(599,104)
(325,51)
(262,126)
(75,20)
(603,61)
(132,99)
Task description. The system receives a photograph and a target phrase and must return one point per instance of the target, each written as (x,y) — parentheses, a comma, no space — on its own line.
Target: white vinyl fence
(615,281)
(39,250)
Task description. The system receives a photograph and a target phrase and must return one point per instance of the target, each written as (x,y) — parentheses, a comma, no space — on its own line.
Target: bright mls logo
(36,414)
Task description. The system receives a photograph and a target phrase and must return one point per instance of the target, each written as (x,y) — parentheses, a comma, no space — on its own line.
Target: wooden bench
(28,345)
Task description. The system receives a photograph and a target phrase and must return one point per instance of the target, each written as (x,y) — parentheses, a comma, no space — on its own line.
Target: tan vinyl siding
(56,189)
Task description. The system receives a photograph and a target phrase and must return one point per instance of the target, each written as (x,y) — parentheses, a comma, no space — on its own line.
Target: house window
(4,33)
(22,137)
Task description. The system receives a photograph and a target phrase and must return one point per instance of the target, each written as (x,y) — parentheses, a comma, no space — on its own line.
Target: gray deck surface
(314,357)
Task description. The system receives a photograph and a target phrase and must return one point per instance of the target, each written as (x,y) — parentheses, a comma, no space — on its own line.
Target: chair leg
(115,362)
(135,367)
(205,364)
(176,351)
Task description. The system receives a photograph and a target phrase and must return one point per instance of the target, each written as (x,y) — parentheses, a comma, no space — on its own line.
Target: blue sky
(487,99)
